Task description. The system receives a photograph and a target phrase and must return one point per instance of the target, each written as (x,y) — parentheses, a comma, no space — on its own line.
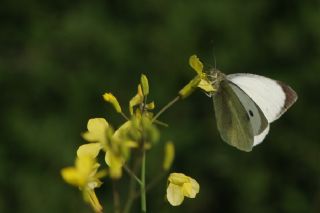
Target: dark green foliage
(57,58)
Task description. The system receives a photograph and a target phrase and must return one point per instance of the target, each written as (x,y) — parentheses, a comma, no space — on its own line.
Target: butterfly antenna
(214,56)
(215,62)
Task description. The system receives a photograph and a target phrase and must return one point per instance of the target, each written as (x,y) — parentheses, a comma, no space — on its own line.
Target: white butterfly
(245,105)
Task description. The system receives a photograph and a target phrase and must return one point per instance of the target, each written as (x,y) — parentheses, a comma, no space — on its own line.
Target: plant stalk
(116,198)
(133,182)
(131,173)
(143,183)
(165,108)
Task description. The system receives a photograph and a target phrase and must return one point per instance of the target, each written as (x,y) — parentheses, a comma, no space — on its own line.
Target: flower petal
(86,165)
(90,197)
(178,178)
(115,163)
(90,137)
(174,194)
(71,176)
(97,125)
(196,64)
(97,130)
(191,188)
(121,131)
(195,186)
(206,86)
(91,149)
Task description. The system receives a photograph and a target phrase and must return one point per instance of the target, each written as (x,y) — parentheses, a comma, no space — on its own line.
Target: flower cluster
(134,137)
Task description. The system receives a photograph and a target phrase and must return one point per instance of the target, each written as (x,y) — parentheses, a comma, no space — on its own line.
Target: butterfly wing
(232,118)
(272,97)
(258,121)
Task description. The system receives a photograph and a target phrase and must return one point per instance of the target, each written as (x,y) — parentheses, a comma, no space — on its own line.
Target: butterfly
(245,105)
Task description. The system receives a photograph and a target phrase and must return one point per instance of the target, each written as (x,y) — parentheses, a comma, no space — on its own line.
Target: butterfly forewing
(272,97)
(232,118)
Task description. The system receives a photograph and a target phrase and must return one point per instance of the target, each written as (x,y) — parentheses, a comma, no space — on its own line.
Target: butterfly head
(215,76)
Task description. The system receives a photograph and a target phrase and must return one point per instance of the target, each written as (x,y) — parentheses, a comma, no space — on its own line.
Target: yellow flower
(181,186)
(85,176)
(201,80)
(115,144)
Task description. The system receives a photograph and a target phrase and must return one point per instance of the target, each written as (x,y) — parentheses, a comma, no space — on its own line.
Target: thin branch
(124,116)
(161,123)
(116,198)
(131,173)
(143,185)
(132,186)
(165,108)
(152,184)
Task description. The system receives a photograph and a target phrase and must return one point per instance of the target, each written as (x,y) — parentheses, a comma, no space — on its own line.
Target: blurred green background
(58,57)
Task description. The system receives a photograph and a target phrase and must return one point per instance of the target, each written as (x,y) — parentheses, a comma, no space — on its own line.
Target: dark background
(58,57)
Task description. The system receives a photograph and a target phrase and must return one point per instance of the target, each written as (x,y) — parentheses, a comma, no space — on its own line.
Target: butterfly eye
(250,113)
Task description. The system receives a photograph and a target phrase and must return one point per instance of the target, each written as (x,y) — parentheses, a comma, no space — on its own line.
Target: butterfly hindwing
(232,119)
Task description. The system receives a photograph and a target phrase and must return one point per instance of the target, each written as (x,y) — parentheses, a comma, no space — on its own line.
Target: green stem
(131,173)
(124,116)
(165,108)
(116,198)
(132,186)
(153,183)
(156,180)
(143,185)
(161,123)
